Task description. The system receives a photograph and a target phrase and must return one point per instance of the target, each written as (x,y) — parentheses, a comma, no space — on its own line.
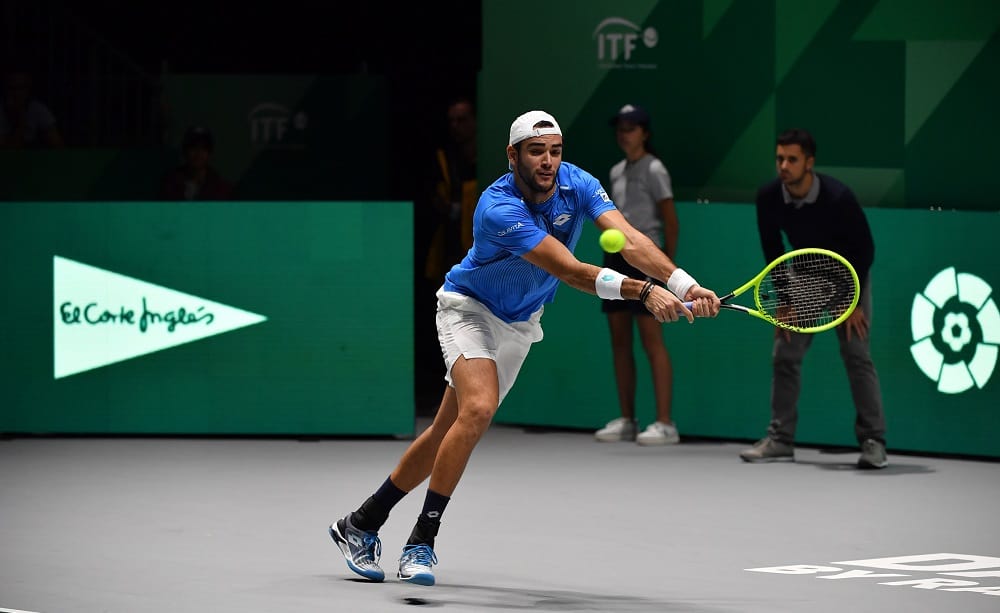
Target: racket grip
(687,305)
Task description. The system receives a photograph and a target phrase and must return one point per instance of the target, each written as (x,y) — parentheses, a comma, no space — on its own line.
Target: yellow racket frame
(756,281)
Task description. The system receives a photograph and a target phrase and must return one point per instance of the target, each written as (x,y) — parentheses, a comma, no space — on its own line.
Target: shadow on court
(851,466)
(509,598)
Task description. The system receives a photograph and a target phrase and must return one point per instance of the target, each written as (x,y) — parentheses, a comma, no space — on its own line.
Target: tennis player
(525,228)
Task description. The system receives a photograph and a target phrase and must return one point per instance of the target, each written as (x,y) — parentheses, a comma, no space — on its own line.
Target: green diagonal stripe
(795,28)
(931,20)
(932,69)
(746,165)
(712,12)
(872,186)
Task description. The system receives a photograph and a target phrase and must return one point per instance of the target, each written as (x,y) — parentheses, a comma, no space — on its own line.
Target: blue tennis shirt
(505,227)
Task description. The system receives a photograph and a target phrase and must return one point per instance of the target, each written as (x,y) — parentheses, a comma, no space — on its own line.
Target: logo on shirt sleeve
(603,194)
(507,231)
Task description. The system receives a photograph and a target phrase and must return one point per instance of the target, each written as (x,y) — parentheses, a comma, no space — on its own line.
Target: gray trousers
(865,389)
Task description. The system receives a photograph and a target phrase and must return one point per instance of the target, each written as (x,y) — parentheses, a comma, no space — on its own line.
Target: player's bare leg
(418,459)
(651,334)
(663,431)
(477,396)
(360,543)
(620,324)
(477,389)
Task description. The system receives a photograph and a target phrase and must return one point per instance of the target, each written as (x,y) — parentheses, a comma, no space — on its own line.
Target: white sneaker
(621,429)
(659,433)
(415,564)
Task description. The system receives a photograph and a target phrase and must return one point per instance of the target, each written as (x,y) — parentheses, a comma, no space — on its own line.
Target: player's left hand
(856,323)
(664,306)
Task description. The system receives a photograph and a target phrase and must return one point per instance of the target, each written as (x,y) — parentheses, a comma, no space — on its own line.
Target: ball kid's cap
(196,136)
(524,128)
(631,112)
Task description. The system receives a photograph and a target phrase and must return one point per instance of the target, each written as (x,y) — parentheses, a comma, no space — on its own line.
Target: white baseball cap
(524,128)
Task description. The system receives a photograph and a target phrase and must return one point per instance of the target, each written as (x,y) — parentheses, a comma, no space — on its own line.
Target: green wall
(722,367)
(327,349)
(290,137)
(900,94)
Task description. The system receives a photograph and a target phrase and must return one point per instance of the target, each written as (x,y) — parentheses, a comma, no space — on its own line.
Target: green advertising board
(249,318)
(935,337)
(890,89)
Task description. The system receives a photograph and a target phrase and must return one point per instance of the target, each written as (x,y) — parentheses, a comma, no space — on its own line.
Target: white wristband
(609,284)
(680,283)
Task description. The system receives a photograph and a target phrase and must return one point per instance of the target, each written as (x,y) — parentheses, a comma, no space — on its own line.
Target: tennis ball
(612,240)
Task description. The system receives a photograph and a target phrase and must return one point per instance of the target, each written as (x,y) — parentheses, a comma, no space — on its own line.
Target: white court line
(16,611)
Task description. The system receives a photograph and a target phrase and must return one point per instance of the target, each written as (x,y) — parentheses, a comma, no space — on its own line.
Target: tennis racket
(806,290)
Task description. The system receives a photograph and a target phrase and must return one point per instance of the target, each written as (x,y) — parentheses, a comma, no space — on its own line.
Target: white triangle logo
(102,317)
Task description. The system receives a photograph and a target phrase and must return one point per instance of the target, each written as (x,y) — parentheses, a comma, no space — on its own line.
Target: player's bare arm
(643,253)
(554,258)
(639,250)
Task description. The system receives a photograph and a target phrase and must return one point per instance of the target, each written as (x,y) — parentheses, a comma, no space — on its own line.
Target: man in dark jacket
(816,210)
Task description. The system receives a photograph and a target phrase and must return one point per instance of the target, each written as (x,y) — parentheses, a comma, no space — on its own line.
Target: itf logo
(618,40)
(956,331)
(274,125)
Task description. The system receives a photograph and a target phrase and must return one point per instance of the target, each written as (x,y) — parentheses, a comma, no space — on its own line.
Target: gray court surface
(542,521)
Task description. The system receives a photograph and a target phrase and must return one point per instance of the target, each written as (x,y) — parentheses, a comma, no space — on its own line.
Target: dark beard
(531,182)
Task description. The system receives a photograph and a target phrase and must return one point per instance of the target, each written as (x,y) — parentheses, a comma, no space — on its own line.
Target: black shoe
(361,549)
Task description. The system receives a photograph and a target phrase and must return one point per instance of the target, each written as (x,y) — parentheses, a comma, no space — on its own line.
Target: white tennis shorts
(467,328)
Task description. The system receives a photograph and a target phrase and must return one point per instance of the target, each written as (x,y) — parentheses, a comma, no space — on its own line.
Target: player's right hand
(857,324)
(664,306)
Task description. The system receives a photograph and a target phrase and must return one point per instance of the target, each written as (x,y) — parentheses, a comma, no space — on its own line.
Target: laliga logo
(956,331)
(269,123)
(614,44)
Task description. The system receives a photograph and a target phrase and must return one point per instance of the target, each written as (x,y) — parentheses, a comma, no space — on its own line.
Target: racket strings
(807,290)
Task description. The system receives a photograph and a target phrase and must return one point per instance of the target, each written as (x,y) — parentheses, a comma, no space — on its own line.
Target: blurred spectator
(24,121)
(642,191)
(195,178)
(453,193)
(442,237)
